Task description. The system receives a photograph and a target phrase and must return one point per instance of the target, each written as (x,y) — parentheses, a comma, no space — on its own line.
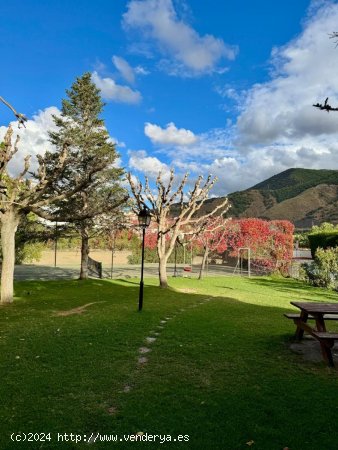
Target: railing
(94,267)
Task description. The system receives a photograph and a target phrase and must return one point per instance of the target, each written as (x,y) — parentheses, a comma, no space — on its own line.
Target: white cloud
(189,52)
(303,73)
(170,135)
(149,165)
(117,143)
(34,139)
(277,126)
(124,68)
(140,70)
(115,92)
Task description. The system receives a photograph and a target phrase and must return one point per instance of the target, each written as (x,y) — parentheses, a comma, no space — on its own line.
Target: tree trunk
(84,255)
(205,257)
(163,272)
(9,224)
(162,262)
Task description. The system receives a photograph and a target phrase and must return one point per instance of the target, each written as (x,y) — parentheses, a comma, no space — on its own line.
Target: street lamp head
(144,217)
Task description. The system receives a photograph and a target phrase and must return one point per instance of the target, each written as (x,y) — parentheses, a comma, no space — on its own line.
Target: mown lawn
(220,370)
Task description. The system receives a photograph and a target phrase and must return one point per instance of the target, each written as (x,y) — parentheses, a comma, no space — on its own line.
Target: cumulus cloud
(184,49)
(170,135)
(110,90)
(149,165)
(140,70)
(302,74)
(124,68)
(34,139)
(277,127)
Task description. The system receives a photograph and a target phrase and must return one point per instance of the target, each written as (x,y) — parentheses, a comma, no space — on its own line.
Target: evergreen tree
(90,145)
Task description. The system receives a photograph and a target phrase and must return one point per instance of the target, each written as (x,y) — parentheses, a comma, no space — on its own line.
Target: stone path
(152,338)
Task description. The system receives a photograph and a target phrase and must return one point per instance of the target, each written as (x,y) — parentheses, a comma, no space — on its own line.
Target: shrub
(323,271)
(324,239)
(302,239)
(29,252)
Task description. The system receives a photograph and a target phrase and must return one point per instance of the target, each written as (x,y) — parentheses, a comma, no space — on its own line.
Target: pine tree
(37,192)
(90,145)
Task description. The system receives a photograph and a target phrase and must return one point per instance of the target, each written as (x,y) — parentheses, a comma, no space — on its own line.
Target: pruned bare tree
(21,118)
(36,192)
(174,211)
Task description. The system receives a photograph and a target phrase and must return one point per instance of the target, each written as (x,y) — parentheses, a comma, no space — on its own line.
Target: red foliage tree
(270,242)
(212,238)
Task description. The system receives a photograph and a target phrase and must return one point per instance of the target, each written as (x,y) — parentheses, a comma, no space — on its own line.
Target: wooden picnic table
(319,312)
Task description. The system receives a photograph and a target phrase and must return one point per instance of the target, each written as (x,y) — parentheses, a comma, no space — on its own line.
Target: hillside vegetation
(303,196)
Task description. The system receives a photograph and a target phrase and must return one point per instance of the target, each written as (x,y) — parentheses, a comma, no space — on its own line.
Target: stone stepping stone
(160,327)
(150,340)
(142,360)
(112,410)
(144,350)
(163,321)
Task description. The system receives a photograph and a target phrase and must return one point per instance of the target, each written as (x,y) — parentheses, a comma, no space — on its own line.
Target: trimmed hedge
(324,240)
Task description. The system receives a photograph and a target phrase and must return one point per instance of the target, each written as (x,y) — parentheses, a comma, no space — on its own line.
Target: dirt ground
(309,349)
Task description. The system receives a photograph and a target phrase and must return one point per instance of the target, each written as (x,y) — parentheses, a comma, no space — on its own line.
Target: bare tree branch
(325,106)
(20,117)
(172,214)
(334,35)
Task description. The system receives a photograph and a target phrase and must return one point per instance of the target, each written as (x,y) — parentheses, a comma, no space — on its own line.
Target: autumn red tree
(270,242)
(212,238)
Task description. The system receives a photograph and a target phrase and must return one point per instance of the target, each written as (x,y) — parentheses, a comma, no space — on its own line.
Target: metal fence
(94,267)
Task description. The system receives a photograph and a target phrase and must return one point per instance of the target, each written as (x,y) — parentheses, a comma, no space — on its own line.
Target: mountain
(306,197)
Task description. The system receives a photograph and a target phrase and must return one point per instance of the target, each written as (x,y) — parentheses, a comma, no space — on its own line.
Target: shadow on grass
(32,272)
(220,371)
(288,285)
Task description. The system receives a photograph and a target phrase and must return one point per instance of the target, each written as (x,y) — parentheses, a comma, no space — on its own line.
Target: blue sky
(207,87)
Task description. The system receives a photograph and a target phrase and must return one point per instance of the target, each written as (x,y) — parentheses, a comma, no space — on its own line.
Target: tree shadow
(290,286)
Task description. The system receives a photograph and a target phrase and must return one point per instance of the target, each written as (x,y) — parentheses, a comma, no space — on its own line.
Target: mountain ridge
(306,197)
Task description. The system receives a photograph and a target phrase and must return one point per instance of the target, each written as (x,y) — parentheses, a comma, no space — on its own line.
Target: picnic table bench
(319,312)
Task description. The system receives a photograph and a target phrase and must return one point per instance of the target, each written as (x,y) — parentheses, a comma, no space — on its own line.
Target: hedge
(324,240)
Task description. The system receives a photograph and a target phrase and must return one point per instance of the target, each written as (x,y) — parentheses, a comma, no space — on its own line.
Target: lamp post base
(140,300)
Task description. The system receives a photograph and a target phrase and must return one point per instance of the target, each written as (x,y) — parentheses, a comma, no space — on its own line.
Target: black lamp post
(144,221)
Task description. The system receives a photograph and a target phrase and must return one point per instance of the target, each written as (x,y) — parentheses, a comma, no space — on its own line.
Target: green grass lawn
(219,371)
